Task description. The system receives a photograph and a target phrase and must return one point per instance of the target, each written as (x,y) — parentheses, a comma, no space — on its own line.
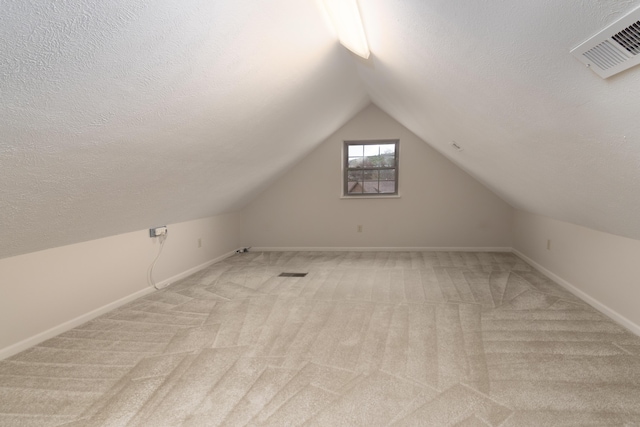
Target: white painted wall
(58,288)
(440,205)
(602,267)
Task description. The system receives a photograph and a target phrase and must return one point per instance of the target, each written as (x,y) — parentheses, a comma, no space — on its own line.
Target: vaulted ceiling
(121,115)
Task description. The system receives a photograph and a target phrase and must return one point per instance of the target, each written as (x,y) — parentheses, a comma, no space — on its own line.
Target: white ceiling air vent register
(613,49)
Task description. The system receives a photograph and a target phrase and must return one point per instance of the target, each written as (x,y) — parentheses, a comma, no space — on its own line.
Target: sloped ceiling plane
(124,114)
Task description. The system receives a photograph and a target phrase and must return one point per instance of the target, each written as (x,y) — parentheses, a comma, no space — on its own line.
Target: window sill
(391,196)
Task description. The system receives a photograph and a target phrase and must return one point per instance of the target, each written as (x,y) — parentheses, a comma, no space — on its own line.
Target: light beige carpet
(366,339)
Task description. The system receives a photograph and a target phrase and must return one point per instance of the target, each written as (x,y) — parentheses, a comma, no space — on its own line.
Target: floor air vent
(614,49)
(292,274)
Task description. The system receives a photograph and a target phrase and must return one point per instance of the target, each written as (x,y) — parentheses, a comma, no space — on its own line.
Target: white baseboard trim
(63,327)
(70,324)
(604,309)
(166,282)
(376,249)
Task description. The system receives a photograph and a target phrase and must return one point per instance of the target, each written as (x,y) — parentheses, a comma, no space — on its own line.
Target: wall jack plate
(158,231)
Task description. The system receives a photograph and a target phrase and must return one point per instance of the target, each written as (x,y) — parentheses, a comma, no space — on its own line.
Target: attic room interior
(226,213)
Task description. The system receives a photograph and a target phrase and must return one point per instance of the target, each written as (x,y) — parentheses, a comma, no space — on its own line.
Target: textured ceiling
(121,115)
(545,133)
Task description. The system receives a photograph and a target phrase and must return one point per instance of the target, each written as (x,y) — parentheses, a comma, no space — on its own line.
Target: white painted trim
(166,282)
(70,324)
(376,249)
(604,309)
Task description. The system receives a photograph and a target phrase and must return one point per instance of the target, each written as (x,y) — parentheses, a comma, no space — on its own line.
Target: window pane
(387,186)
(354,182)
(388,149)
(355,162)
(371,181)
(381,159)
(354,187)
(370,175)
(387,160)
(371,187)
(373,161)
(356,150)
(354,175)
(372,150)
(388,175)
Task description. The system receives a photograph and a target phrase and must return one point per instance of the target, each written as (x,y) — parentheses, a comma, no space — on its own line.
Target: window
(371,168)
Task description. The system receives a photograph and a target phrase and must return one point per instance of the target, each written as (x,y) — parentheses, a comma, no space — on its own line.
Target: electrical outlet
(158,231)
(548,244)
(199,243)
(359,229)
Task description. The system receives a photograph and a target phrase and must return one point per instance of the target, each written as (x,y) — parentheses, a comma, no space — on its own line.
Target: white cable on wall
(150,281)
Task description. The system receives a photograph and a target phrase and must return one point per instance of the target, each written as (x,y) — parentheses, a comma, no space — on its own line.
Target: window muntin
(370,168)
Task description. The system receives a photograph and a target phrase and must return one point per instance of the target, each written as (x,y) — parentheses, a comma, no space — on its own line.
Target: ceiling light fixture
(348,24)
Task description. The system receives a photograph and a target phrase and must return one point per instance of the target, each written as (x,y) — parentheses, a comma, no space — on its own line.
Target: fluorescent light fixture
(348,24)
